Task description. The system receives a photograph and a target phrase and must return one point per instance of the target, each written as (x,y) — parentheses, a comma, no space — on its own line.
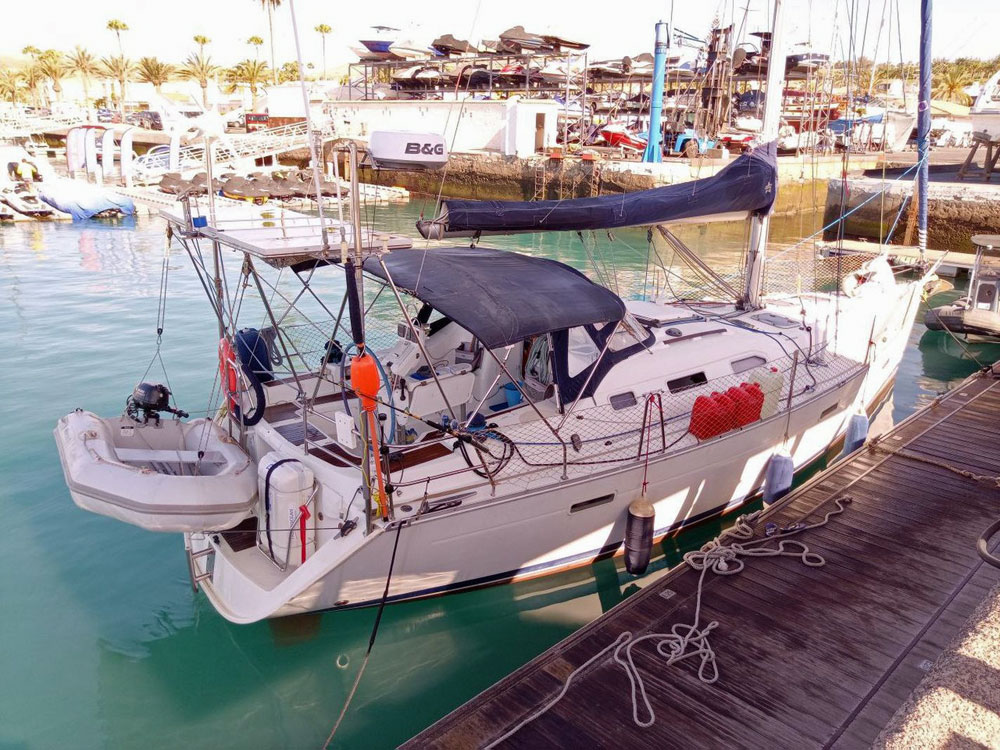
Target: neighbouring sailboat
(504,422)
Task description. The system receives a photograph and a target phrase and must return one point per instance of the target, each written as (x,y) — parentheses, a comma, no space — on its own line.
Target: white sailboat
(504,423)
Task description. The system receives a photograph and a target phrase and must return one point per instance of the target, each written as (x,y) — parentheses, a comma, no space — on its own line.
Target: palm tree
(119,69)
(950,85)
(156,72)
(256,42)
(31,51)
(199,68)
(10,85)
(52,65)
(118,27)
(83,64)
(269,6)
(34,80)
(323,30)
(251,73)
(201,40)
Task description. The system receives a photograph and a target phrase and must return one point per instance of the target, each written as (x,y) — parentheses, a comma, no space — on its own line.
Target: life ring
(228,375)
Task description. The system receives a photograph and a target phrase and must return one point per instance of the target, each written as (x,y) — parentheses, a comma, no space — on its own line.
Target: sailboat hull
(567,523)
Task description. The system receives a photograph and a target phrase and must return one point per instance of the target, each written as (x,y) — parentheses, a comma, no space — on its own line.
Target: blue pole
(923,123)
(654,151)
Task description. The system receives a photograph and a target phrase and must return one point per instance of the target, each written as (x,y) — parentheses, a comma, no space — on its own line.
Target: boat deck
(807,656)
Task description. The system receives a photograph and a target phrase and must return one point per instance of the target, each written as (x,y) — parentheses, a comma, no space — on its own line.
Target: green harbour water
(102,641)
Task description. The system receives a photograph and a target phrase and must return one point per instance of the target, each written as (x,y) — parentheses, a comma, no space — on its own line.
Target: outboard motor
(148,400)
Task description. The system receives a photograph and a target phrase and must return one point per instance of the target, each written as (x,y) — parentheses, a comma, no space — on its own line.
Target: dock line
(723,556)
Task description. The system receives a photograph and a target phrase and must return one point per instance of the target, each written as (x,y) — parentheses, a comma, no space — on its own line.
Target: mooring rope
(875,446)
(722,556)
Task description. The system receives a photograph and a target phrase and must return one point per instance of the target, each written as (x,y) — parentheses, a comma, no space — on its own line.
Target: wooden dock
(807,656)
(902,255)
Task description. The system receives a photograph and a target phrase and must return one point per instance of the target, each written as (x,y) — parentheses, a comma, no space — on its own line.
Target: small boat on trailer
(976,316)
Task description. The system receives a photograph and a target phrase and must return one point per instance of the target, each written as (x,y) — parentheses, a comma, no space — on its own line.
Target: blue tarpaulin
(82,200)
(748,185)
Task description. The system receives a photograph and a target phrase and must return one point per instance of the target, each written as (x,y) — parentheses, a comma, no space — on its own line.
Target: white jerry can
(285,487)
(772,383)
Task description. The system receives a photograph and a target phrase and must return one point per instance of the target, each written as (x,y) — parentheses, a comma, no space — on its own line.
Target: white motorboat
(985,113)
(161,475)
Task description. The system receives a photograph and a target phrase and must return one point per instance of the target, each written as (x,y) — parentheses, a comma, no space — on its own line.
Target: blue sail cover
(749,185)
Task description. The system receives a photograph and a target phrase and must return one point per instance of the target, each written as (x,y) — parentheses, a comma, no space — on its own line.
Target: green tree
(255,42)
(949,85)
(201,40)
(52,65)
(199,68)
(119,69)
(269,6)
(11,84)
(34,81)
(31,51)
(83,64)
(250,73)
(323,30)
(156,72)
(118,27)
(288,72)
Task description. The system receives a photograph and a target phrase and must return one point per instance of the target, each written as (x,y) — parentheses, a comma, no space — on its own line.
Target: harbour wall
(803,181)
(955,210)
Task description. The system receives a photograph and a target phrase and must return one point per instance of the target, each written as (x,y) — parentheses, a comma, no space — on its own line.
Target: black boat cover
(749,185)
(499,296)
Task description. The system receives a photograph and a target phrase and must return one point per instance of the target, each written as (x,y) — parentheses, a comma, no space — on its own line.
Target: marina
(558,384)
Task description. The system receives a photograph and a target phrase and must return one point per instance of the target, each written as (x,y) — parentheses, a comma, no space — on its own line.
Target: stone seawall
(956,211)
(802,180)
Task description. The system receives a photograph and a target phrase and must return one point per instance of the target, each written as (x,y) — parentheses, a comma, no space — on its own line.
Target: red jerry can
(744,406)
(756,396)
(727,409)
(706,418)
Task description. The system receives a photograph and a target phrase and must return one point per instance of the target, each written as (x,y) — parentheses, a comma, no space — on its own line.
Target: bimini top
(746,186)
(498,296)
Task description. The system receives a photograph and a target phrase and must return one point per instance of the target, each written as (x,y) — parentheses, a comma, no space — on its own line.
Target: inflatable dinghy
(963,319)
(167,475)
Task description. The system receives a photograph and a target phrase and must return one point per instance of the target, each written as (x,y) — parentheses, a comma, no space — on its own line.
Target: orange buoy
(365,380)
(366,384)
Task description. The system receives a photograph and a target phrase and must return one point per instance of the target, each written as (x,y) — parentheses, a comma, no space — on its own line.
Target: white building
(512,127)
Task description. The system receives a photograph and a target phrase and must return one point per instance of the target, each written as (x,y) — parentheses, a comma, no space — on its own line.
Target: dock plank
(807,656)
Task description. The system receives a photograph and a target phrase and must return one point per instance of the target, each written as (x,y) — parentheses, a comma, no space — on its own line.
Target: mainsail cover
(748,185)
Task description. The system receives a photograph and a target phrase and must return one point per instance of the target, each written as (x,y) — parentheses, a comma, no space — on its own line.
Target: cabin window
(747,363)
(582,353)
(622,400)
(602,500)
(688,381)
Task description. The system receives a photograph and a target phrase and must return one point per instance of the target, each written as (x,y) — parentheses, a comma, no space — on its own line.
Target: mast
(923,124)
(654,150)
(760,224)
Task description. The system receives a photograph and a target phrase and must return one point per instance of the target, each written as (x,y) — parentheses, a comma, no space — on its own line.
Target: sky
(164,28)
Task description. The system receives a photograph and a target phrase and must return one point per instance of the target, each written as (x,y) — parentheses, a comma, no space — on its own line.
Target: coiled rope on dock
(725,555)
